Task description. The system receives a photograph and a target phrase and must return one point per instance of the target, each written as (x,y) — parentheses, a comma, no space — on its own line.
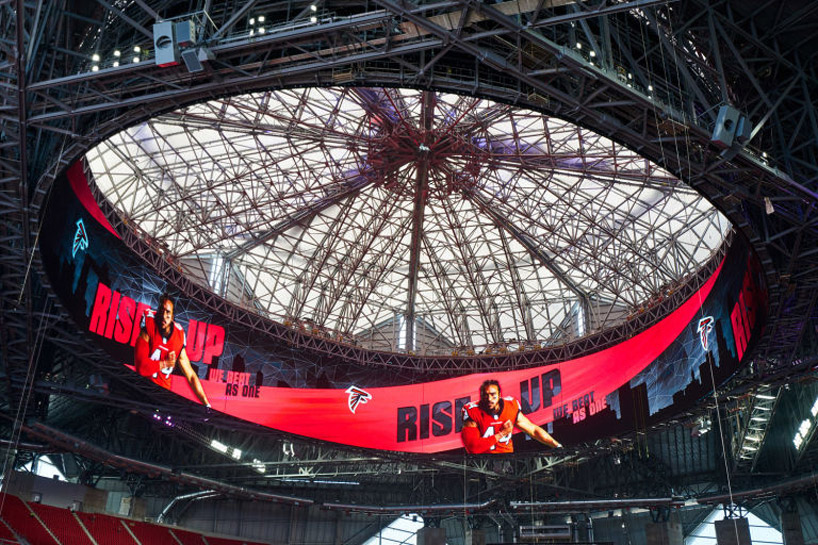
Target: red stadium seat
(188,538)
(6,534)
(151,533)
(107,530)
(62,523)
(40,524)
(16,513)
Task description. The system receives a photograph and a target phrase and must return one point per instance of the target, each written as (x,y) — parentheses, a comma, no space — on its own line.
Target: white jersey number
(490,431)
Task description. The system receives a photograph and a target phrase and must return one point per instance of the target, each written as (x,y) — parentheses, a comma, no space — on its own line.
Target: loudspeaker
(726,124)
(743,130)
(185,33)
(192,62)
(167,52)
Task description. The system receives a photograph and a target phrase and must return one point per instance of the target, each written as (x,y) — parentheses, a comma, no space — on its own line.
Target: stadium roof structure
(645,79)
(349,208)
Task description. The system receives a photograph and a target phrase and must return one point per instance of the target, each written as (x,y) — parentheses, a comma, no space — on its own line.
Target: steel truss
(463,224)
(291,336)
(659,76)
(591,75)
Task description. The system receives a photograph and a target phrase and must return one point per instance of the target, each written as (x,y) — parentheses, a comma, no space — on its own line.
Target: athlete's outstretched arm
(192,378)
(536,432)
(479,445)
(145,366)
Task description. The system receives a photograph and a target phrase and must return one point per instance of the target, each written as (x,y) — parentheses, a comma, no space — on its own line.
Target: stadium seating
(187,538)
(6,535)
(40,524)
(107,530)
(151,533)
(62,523)
(16,513)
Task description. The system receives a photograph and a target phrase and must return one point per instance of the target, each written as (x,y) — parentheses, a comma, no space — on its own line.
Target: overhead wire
(25,398)
(680,172)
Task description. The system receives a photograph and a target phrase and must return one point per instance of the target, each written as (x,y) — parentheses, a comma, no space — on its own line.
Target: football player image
(489,423)
(161,346)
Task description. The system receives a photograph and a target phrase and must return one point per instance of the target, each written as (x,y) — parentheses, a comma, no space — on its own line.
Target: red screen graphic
(421,417)
(424,417)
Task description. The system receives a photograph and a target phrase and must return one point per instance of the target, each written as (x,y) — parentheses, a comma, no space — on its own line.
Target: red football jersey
(159,347)
(489,424)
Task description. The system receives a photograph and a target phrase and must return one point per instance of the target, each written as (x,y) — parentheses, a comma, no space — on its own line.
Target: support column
(733,532)
(791,528)
(478,537)
(581,528)
(665,533)
(432,536)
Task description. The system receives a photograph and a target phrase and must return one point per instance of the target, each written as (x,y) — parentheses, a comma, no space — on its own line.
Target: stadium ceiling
(659,74)
(405,219)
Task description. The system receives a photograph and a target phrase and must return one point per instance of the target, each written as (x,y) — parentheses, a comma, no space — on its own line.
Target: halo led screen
(364,212)
(328,247)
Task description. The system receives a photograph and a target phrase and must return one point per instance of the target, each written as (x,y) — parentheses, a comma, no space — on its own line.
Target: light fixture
(252,21)
(702,426)
(116,63)
(137,49)
(313,19)
(136,59)
(117,53)
(95,68)
(650,87)
(261,18)
(764,396)
(261,30)
(218,446)
(579,45)
(95,57)
(318,481)
(592,53)
(313,8)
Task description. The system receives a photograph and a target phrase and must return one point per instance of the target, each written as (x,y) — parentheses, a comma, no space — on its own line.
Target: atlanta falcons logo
(80,239)
(705,326)
(356,397)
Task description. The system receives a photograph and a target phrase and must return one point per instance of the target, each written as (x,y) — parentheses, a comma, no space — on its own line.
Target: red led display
(86,262)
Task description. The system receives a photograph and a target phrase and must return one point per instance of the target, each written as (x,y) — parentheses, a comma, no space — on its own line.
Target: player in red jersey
(161,345)
(488,425)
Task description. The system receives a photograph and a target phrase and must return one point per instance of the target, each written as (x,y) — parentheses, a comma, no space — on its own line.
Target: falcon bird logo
(356,397)
(80,239)
(705,326)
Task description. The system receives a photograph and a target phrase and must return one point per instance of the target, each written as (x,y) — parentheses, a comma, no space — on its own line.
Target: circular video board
(114,297)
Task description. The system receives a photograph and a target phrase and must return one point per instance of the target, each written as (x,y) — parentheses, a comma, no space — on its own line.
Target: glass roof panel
(354,210)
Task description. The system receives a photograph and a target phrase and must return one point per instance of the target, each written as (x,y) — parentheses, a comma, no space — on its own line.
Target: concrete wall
(31,487)
(280,523)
